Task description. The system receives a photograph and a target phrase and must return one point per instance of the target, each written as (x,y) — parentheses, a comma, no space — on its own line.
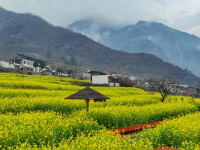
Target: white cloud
(195,31)
(179,14)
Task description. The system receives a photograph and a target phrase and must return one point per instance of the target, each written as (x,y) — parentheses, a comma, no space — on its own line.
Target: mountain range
(173,46)
(32,35)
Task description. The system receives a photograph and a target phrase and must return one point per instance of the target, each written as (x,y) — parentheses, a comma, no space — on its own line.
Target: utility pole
(73,72)
(138,82)
(23,66)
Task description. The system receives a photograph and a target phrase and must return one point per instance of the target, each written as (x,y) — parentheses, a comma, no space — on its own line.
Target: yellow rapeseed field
(180,133)
(24,123)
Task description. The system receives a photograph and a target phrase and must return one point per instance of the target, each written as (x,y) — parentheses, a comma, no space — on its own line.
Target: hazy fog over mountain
(30,34)
(174,46)
(179,14)
(116,24)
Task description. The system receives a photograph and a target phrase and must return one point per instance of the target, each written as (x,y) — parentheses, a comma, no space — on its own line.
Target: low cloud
(179,14)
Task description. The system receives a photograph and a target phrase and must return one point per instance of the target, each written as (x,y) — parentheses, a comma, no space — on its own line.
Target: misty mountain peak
(171,45)
(150,24)
(142,23)
(80,24)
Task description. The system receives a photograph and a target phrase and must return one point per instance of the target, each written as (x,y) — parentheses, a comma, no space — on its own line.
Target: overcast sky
(183,15)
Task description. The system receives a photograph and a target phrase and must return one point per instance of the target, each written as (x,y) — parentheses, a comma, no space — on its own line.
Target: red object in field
(135,128)
(140,127)
(165,148)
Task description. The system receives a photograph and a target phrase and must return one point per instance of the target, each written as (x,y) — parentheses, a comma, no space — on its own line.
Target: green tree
(59,70)
(48,54)
(69,71)
(35,64)
(42,65)
(73,61)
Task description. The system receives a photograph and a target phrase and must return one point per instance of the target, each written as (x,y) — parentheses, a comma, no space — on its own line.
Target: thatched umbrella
(88,94)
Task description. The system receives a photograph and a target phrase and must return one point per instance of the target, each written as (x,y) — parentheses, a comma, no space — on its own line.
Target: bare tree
(164,87)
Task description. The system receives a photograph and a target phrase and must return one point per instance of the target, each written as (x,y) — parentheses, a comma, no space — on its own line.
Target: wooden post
(87,109)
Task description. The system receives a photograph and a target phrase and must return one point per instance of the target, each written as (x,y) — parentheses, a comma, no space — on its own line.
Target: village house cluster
(26,63)
(21,61)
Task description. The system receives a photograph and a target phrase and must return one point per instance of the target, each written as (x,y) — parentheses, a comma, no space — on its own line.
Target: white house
(100,79)
(5,64)
(21,61)
(132,78)
(182,88)
(103,79)
(27,62)
(86,74)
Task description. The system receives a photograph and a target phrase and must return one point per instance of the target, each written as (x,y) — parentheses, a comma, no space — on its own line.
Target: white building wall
(62,74)
(37,69)
(48,67)
(184,86)
(112,84)
(100,79)
(132,78)
(6,64)
(27,63)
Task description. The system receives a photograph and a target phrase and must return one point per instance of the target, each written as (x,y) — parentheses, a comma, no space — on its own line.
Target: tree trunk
(87,109)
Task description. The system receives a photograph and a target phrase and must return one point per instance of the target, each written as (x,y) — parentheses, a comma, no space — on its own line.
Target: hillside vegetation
(30,34)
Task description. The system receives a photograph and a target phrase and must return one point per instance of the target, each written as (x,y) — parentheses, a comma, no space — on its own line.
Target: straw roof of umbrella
(88,93)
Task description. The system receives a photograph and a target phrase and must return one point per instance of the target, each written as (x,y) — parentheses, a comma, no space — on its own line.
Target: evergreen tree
(42,65)
(48,54)
(73,61)
(35,64)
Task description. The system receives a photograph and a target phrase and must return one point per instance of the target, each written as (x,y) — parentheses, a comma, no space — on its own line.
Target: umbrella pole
(87,109)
